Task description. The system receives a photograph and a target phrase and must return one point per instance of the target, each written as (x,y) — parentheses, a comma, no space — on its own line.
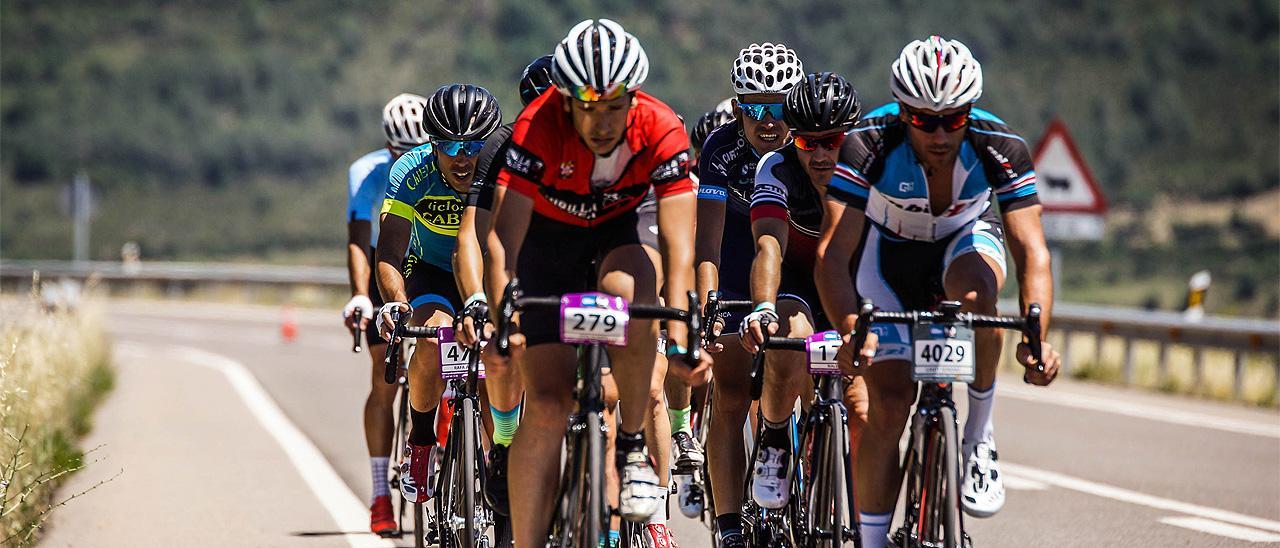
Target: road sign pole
(80,217)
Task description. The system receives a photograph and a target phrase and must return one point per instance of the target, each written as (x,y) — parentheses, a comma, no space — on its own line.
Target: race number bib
(821,349)
(454,357)
(943,353)
(593,318)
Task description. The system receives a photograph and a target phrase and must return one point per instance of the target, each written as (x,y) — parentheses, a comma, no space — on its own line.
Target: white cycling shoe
(771,478)
(689,496)
(641,495)
(982,494)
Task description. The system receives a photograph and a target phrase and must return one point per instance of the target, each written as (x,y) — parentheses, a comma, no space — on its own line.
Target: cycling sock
(629,442)
(729,524)
(378,465)
(977,426)
(776,434)
(424,427)
(680,420)
(874,529)
(505,424)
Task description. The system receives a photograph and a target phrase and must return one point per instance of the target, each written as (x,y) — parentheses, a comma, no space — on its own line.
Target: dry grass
(54,369)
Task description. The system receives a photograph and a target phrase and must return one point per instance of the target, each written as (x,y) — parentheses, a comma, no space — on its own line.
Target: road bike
(591,321)
(943,353)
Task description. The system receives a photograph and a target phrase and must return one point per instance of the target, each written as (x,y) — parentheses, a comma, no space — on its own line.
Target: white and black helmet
(766,68)
(461,112)
(936,74)
(598,61)
(402,121)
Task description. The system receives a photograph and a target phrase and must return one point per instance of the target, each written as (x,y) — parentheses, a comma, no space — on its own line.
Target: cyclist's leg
(731,400)
(549,370)
(785,379)
(657,426)
(425,389)
(378,408)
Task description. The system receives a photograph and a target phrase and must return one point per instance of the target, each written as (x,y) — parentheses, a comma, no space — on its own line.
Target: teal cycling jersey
(418,192)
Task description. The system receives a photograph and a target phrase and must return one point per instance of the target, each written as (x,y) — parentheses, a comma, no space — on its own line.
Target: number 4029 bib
(943,353)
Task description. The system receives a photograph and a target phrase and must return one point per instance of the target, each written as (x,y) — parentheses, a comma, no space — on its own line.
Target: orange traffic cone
(288,324)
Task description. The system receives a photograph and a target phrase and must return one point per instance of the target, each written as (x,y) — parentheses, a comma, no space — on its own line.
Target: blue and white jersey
(366,186)
(879,173)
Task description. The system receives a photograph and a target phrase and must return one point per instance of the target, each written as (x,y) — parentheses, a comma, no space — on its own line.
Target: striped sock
(505,424)
(378,465)
(874,528)
(680,420)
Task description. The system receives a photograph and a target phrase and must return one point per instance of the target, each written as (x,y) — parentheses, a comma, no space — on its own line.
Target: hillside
(222,130)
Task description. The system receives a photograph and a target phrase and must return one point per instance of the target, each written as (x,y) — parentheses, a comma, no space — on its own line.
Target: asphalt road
(221,434)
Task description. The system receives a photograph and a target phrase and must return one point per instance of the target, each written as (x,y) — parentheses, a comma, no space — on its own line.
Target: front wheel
(466,481)
(949,453)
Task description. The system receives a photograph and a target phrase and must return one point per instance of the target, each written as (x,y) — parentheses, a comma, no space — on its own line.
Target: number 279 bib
(593,318)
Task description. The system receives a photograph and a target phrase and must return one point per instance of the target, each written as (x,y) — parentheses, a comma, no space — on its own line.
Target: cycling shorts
(558,258)
(798,285)
(426,283)
(898,274)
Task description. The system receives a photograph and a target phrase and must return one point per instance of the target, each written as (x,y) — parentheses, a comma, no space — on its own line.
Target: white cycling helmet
(936,74)
(766,68)
(724,108)
(598,61)
(402,121)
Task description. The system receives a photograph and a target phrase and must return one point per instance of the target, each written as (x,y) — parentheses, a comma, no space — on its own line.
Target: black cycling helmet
(706,123)
(461,112)
(535,79)
(821,102)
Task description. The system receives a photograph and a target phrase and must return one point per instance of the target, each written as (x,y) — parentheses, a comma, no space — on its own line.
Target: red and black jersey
(548,162)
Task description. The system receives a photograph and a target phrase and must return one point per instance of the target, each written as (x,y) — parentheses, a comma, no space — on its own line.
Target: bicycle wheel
(949,454)
(597,509)
(821,495)
(465,481)
(419,526)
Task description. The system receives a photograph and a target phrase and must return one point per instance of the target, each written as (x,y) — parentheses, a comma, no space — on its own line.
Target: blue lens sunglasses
(757,111)
(466,148)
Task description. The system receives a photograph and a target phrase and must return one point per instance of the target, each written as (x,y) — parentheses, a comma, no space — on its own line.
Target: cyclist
(916,180)
(502,385)
(421,213)
(786,219)
(762,74)
(581,162)
(366,185)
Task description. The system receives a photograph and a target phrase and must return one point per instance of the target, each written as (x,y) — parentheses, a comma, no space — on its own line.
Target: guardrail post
(1237,387)
(1197,370)
(1162,368)
(1097,349)
(1062,352)
(1128,360)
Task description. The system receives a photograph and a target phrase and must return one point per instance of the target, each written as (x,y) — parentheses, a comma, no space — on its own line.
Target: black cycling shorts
(557,258)
(425,283)
(798,285)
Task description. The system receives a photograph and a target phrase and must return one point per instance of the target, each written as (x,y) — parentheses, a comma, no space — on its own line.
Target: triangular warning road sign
(1063,180)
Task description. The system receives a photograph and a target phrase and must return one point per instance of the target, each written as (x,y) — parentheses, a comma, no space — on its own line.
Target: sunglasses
(590,95)
(930,122)
(453,148)
(757,111)
(810,144)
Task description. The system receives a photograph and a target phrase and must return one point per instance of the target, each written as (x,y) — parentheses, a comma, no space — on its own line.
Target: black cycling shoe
(495,481)
(733,540)
(689,455)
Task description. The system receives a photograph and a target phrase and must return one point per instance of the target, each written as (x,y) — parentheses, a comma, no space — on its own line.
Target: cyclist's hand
(1052,361)
(691,374)
(845,358)
(385,324)
(713,344)
(464,326)
(753,328)
(364,305)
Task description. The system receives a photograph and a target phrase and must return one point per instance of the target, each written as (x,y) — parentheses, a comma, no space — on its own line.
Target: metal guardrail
(1241,336)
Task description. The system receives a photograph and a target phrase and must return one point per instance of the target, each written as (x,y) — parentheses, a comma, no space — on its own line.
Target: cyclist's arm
(1031,255)
(468,257)
(766,268)
(511,214)
(358,256)
(842,227)
(393,240)
(676,239)
(710,230)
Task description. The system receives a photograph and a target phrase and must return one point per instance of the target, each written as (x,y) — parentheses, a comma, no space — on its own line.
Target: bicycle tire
(466,481)
(953,526)
(419,526)
(399,434)
(597,509)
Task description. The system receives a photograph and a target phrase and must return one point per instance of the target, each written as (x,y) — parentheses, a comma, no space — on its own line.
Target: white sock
(977,427)
(874,529)
(378,465)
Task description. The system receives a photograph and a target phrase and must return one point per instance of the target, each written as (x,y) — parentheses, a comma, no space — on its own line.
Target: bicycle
(943,353)
(592,321)
(400,433)
(462,520)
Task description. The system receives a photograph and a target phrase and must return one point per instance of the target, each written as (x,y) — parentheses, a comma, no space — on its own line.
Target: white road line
(1019,483)
(1141,499)
(343,506)
(1150,412)
(1221,529)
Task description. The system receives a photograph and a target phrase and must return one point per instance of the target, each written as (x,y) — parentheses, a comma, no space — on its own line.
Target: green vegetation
(223,130)
(54,371)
